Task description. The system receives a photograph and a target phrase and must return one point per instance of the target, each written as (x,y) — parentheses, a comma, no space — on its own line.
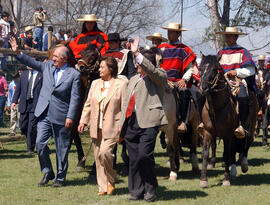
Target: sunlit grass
(20,173)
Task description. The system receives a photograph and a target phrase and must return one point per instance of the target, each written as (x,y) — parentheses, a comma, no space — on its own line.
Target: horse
(88,66)
(220,118)
(176,140)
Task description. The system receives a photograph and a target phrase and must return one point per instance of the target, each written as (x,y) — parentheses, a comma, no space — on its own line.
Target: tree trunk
(215,22)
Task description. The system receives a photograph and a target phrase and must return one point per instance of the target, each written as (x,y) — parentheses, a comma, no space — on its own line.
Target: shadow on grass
(190,175)
(166,195)
(21,156)
(258,161)
(252,179)
(161,154)
(79,182)
(256,144)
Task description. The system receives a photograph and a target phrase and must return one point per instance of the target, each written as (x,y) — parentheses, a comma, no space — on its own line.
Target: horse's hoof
(210,166)
(233,171)
(244,165)
(203,184)
(226,183)
(173,176)
(80,166)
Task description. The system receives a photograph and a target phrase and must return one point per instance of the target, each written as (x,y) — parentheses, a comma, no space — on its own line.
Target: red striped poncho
(93,37)
(235,57)
(175,59)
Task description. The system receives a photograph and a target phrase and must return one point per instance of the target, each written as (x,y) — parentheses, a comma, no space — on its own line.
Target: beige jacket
(112,108)
(149,96)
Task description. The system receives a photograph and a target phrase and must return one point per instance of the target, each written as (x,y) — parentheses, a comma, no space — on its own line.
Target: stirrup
(240,132)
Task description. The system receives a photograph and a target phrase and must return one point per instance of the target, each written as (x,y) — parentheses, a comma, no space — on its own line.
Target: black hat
(115,37)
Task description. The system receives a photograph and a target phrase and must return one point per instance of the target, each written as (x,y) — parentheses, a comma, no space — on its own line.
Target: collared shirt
(59,72)
(11,91)
(34,78)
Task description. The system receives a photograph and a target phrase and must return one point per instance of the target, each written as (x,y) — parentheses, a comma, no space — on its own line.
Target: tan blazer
(112,108)
(149,95)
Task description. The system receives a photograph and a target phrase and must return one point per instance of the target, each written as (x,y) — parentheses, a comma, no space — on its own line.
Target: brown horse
(176,140)
(220,118)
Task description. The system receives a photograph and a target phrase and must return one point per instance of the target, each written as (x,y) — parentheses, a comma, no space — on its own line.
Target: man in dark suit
(56,109)
(26,94)
(141,118)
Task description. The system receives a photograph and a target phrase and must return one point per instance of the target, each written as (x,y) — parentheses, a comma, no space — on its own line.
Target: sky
(196,20)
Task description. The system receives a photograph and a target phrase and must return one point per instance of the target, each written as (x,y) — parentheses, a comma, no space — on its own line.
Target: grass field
(20,173)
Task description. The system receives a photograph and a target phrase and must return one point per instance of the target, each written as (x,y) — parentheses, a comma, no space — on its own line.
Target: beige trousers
(14,119)
(103,153)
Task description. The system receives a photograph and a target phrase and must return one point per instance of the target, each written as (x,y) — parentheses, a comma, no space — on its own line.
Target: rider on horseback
(179,62)
(236,62)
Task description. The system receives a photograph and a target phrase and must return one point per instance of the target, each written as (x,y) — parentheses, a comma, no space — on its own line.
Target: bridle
(89,67)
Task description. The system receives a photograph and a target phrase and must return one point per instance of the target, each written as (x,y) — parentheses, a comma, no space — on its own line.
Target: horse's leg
(252,118)
(229,153)
(194,120)
(181,152)
(172,150)
(74,136)
(212,162)
(207,137)
(125,158)
(265,125)
(162,140)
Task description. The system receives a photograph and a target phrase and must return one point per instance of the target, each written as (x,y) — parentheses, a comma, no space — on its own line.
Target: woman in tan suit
(102,113)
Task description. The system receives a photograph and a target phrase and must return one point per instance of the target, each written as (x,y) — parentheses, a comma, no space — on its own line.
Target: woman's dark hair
(84,30)
(112,65)
(151,56)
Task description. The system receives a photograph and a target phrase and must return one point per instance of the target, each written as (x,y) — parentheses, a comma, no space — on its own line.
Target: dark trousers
(61,136)
(28,125)
(140,145)
(2,106)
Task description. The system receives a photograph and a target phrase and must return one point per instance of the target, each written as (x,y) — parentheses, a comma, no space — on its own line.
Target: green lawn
(20,173)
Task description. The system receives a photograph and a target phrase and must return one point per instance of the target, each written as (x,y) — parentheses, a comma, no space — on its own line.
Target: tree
(245,13)
(124,16)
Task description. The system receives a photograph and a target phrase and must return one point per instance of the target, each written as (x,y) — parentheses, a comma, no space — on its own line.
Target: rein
(215,82)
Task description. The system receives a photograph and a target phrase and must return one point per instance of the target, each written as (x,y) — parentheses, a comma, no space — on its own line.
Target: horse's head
(209,71)
(89,63)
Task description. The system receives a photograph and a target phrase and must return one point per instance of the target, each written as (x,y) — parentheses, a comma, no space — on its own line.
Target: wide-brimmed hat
(115,37)
(174,27)
(261,57)
(28,28)
(158,36)
(232,31)
(89,18)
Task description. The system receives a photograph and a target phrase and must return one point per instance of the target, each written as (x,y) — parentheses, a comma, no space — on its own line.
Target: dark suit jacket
(21,91)
(61,99)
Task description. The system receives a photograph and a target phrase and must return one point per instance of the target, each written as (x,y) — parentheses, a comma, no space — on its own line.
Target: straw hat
(174,27)
(28,28)
(231,30)
(261,57)
(89,18)
(158,36)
